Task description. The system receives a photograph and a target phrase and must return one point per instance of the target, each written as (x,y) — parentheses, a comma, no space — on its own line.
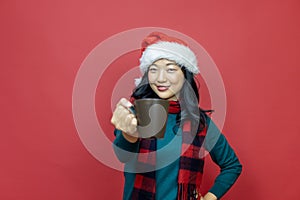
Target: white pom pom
(137,81)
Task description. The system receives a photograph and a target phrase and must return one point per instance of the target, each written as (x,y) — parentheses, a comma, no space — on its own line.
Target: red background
(255,45)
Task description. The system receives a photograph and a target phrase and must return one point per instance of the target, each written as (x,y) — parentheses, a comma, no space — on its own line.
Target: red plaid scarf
(190,167)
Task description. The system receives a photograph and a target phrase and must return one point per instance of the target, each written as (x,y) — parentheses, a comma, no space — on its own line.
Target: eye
(171,70)
(152,69)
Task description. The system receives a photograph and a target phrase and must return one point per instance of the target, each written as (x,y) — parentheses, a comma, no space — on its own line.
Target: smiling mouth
(162,88)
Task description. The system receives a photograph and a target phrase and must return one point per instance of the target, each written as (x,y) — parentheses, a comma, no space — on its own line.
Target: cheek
(151,78)
(177,79)
(178,86)
(177,83)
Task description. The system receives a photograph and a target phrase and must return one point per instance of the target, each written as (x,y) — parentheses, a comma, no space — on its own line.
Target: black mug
(152,116)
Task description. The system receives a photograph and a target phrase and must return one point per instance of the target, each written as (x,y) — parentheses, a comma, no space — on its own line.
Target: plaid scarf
(191,163)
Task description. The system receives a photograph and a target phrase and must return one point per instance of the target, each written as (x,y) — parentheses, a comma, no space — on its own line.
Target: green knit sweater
(166,177)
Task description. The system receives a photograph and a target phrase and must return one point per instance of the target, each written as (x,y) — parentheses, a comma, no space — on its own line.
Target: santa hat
(159,45)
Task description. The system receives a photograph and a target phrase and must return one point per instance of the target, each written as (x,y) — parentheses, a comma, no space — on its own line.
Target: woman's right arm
(126,141)
(124,149)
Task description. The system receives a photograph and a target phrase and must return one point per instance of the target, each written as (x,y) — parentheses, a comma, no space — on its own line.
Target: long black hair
(189,99)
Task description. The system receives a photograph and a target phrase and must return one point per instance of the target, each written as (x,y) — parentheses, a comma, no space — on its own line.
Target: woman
(169,67)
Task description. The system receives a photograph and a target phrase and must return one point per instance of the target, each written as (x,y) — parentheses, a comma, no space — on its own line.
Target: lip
(162,88)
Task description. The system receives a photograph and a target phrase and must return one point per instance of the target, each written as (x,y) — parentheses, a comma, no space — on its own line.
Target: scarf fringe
(188,192)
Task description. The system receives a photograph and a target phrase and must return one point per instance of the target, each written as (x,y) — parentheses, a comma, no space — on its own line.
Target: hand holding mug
(123,119)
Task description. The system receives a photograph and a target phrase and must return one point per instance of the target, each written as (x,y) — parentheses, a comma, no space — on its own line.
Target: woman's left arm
(230,167)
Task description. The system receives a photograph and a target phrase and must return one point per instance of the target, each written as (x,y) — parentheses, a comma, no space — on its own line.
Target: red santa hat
(159,45)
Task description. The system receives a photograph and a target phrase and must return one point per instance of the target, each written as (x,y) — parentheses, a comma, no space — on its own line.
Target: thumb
(124,102)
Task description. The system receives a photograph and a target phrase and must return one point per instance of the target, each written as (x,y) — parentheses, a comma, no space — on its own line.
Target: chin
(167,97)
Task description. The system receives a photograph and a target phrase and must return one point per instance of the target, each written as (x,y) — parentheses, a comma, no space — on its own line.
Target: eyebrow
(170,63)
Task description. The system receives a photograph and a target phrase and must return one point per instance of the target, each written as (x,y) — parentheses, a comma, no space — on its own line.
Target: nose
(161,76)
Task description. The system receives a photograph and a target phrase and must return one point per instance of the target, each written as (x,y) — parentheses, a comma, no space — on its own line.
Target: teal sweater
(167,157)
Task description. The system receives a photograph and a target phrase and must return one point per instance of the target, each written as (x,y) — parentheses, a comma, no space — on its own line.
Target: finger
(133,125)
(124,102)
(119,115)
(112,120)
(129,124)
(124,112)
(116,114)
(133,132)
(128,119)
(134,122)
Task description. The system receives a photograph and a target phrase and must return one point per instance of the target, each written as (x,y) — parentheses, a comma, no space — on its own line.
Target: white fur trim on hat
(176,52)
(137,81)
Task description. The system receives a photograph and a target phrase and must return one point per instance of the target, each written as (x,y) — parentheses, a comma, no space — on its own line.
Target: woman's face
(166,79)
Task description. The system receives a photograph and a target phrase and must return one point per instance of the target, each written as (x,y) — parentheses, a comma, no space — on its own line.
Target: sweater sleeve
(123,149)
(224,156)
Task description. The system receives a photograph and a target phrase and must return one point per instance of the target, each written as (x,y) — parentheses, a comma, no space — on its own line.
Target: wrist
(210,196)
(129,138)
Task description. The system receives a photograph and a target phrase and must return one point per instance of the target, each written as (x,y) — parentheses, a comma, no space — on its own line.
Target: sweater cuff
(122,143)
(218,190)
